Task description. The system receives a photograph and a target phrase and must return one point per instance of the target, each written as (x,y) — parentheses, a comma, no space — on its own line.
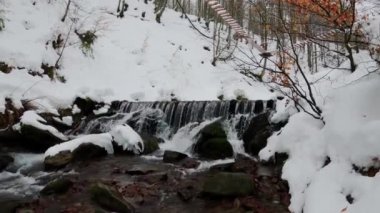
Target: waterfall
(167,117)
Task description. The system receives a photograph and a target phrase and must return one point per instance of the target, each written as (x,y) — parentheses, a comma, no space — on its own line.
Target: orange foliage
(336,12)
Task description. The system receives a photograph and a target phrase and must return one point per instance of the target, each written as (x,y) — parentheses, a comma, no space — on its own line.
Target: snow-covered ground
(133,58)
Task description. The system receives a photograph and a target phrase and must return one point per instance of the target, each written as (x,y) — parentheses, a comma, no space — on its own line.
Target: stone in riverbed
(150,143)
(85,151)
(58,161)
(109,200)
(88,151)
(173,156)
(59,186)
(226,184)
(257,133)
(213,143)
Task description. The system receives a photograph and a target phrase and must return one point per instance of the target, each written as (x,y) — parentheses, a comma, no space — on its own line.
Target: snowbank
(349,138)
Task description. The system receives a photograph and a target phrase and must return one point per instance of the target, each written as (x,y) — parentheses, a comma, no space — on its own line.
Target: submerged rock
(59,186)
(109,200)
(224,184)
(213,143)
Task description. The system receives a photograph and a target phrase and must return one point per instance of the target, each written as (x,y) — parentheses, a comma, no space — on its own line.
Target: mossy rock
(109,200)
(58,161)
(256,136)
(226,184)
(41,138)
(150,144)
(213,130)
(59,186)
(216,148)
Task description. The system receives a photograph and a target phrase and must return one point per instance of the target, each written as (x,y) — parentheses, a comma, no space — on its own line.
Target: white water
(21,177)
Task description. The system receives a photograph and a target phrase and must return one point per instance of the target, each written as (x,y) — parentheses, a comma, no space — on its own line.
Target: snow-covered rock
(127,138)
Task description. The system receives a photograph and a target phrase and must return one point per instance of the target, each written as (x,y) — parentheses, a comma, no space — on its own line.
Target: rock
(213,143)
(225,184)
(150,143)
(86,105)
(187,193)
(5,160)
(88,151)
(216,148)
(257,133)
(59,186)
(38,137)
(173,156)
(58,161)
(109,200)
(189,163)
(141,170)
(213,130)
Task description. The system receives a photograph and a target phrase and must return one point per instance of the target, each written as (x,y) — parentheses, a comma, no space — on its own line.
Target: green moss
(107,199)
(59,186)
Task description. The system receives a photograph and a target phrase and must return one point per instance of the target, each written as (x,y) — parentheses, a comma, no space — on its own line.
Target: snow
(103,140)
(138,59)
(123,135)
(33,119)
(127,138)
(349,137)
(132,59)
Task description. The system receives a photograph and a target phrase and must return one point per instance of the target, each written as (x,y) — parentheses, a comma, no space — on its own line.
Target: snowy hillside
(133,58)
(333,158)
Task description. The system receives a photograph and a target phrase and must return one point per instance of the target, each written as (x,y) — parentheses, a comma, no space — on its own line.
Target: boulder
(109,199)
(59,186)
(39,137)
(226,184)
(58,161)
(216,148)
(150,143)
(5,160)
(88,151)
(213,143)
(257,133)
(173,156)
(213,130)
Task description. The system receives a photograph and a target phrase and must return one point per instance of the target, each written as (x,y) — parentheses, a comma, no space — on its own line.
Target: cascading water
(178,122)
